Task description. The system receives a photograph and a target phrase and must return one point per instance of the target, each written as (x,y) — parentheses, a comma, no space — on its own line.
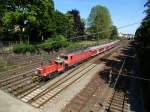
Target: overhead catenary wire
(121,27)
(93,34)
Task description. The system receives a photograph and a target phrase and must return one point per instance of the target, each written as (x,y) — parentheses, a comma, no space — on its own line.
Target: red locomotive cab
(40,71)
(44,69)
(65,58)
(52,69)
(60,64)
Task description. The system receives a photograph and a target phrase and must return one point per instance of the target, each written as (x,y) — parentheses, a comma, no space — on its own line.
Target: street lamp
(27,23)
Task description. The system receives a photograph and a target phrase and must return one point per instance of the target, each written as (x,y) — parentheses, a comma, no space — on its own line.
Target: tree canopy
(78,23)
(142,34)
(35,21)
(142,37)
(114,32)
(100,21)
(37,15)
(38,20)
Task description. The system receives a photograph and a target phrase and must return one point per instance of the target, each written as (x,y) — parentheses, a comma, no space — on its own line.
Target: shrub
(55,42)
(47,44)
(73,45)
(60,41)
(23,48)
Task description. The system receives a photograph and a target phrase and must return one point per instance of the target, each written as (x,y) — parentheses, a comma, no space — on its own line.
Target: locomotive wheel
(66,67)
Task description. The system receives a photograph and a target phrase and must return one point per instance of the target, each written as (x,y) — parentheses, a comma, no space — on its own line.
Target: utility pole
(110,77)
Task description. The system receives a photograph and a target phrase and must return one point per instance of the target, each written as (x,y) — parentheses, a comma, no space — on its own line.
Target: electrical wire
(121,27)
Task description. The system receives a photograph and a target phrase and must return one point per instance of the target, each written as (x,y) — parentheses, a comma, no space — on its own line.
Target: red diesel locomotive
(66,60)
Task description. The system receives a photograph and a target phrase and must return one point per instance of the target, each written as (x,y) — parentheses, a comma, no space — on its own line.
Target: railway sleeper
(116,100)
(120,105)
(16,83)
(119,97)
(116,109)
(19,86)
(11,80)
(17,93)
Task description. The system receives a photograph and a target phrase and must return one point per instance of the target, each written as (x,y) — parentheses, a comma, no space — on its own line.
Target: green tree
(36,16)
(143,32)
(142,37)
(114,32)
(70,27)
(100,21)
(54,43)
(64,24)
(2,12)
(79,26)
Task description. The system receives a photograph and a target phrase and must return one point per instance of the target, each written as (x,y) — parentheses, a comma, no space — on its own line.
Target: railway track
(19,81)
(66,76)
(19,75)
(19,84)
(22,61)
(21,69)
(40,94)
(81,103)
(30,63)
(118,102)
(54,92)
(59,80)
(14,78)
(40,97)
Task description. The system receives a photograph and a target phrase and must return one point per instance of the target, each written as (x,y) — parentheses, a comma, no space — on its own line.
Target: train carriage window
(71,57)
(64,57)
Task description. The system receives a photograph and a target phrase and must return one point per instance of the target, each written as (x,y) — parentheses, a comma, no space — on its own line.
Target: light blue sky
(122,12)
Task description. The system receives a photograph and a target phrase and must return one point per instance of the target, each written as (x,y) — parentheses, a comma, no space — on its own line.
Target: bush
(60,41)
(47,44)
(55,42)
(23,48)
(73,45)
